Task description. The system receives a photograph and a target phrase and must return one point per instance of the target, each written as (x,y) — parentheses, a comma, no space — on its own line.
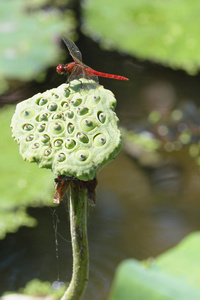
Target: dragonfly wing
(79,71)
(73,49)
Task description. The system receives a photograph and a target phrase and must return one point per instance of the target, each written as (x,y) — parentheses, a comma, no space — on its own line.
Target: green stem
(78,226)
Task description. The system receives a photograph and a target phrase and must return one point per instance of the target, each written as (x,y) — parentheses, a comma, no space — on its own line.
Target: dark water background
(140,212)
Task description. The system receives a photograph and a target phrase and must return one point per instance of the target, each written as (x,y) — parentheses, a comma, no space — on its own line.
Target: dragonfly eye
(60,69)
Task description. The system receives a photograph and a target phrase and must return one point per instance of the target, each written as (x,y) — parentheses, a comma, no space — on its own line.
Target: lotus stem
(78,226)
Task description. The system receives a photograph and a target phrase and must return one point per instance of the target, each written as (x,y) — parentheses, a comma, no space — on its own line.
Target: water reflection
(138,214)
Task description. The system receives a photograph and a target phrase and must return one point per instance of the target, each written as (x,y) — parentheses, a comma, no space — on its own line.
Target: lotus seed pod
(71,129)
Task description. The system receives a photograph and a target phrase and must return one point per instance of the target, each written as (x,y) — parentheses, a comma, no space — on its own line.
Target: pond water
(141,211)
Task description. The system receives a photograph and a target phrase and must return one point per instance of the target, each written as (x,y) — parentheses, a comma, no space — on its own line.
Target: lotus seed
(57,116)
(101,117)
(70,143)
(30,138)
(82,110)
(82,137)
(41,127)
(66,92)
(43,117)
(42,101)
(94,100)
(82,155)
(47,152)
(45,138)
(65,104)
(57,128)
(69,114)
(70,127)
(28,127)
(61,157)
(99,140)
(88,124)
(55,96)
(36,145)
(76,102)
(58,143)
(27,114)
(52,106)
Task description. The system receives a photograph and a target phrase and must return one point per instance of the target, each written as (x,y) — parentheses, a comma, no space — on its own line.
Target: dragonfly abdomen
(101,74)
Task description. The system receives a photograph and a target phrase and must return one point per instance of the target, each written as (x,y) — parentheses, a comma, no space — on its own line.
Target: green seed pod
(71,129)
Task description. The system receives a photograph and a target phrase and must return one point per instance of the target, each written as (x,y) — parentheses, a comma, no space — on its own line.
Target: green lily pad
(28,38)
(21,184)
(162,31)
(183,260)
(174,275)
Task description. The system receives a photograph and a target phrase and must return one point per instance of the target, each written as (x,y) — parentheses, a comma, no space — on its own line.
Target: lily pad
(162,31)
(173,275)
(21,184)
(28,38)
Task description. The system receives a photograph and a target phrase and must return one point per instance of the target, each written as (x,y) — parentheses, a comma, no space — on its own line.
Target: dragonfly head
(60,69)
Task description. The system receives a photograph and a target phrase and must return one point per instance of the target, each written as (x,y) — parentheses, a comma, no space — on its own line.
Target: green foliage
(21,184)
(28,37)
(162,31)
(183,260)
(174,275)
(38,288)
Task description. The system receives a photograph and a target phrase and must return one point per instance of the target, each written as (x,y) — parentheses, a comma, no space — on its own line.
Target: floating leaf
(174,275)
(21,184)
(28,38)
(163,31)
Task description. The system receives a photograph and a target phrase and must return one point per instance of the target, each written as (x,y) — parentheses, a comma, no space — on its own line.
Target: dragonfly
(77,68)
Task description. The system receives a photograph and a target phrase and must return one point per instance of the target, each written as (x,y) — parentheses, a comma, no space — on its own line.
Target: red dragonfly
(78,69)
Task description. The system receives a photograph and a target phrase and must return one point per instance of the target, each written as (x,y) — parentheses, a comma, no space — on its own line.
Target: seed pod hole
(76,102)
(41,127)
(58,143)
(58,116)
(66,92)
(36,145)
(52,106)
(28,113)
(101,116)
(93,100)
(41,101)
(61,157)
(82,155)
(82,110)
(65,104)
(47,152)
(42,117)
(99,140)
(57,128)
(45,138)
(55,96)
(69,114)
(30,138)
(88,124)
(82,137)
(70,143)
(27,127)
(70,128)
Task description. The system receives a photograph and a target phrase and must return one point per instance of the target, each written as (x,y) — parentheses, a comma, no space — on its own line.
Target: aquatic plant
(72,130)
